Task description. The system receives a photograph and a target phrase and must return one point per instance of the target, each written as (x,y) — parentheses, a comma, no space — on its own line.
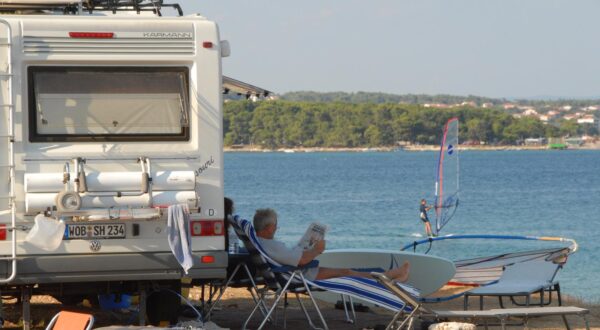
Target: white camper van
(110,113)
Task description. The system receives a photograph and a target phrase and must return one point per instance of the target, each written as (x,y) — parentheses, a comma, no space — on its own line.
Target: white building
(588,119)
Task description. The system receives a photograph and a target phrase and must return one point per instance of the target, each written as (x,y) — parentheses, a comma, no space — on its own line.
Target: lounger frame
(500,315)
(522,279)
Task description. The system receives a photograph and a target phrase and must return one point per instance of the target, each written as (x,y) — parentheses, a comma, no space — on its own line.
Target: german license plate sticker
(95,231)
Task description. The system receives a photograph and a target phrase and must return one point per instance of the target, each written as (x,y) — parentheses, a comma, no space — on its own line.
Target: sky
(495,48)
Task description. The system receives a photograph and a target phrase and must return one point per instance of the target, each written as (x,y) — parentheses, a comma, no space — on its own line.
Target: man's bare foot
(399,274)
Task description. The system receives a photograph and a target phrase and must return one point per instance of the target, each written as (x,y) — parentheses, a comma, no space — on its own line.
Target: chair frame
(253,289)
(281,292)
(274,282)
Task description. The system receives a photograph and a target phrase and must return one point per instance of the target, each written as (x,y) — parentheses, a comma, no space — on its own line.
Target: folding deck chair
(252,280)
(64,320)
(501,315)
(290,280)
(522,279)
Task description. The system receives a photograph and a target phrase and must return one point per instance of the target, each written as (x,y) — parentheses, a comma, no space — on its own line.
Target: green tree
(568,127)
(373,136)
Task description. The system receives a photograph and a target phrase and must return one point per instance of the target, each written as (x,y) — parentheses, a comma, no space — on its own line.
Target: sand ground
(237,304)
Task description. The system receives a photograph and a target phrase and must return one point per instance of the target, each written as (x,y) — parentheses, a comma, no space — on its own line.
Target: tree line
(377,97)
(288,124)
(373,97)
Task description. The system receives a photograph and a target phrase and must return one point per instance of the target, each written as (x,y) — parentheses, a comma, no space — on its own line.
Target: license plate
(96,230)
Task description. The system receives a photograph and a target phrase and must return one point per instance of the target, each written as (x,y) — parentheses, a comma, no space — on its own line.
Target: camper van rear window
(108,104)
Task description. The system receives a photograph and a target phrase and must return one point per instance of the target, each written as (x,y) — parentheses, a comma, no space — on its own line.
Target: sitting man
(265,225)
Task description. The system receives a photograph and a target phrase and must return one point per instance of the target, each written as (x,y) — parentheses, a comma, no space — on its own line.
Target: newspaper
(314,233)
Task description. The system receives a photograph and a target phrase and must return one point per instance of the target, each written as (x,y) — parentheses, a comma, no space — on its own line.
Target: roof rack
(78,6)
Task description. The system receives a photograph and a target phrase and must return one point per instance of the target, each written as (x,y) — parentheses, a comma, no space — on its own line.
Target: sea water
(371,200)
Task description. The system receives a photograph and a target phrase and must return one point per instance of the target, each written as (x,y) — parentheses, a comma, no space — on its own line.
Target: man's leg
(399,274)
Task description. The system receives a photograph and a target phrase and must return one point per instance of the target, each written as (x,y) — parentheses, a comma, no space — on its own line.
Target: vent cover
(65,45)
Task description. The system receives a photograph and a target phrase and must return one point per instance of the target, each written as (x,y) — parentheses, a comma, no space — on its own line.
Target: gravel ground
(237,304)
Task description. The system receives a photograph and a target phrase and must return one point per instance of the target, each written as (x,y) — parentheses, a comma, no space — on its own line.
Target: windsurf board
(427,273)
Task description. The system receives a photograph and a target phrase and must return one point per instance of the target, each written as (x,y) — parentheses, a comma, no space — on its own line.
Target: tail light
(207,228)
(2,232)
(207,259)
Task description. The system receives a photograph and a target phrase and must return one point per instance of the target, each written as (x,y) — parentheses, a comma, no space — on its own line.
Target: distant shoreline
(413,148)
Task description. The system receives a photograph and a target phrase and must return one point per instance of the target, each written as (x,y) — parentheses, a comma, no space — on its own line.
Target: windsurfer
(423,209)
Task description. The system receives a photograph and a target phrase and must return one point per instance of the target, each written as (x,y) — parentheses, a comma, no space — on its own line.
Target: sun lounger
(291,278)
(499,315)
(521,279)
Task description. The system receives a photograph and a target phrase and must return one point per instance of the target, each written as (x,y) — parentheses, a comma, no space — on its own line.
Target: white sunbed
(500,315)
(521,279)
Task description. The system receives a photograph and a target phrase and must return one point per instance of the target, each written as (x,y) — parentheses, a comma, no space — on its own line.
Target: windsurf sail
(446,183)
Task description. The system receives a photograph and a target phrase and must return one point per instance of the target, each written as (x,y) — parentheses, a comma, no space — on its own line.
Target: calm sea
(371,199)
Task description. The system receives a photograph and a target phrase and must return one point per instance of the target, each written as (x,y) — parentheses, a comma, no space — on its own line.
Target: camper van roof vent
(90,6)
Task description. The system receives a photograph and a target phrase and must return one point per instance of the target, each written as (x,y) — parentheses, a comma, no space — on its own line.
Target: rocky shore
(414,147)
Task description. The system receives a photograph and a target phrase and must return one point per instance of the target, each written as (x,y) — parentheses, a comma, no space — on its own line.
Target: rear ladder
(7,142)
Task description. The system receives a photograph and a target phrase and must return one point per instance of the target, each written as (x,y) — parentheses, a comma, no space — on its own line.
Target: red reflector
(195,228)
(206,228)
(207,44)
(99,35)
(207,259)
(2,232)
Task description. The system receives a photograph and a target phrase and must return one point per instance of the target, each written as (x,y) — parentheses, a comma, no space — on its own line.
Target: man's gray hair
(263,218)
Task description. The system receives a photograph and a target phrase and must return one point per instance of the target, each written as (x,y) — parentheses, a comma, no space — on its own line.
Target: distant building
(587,119)
(587,138)
(468,104)
(569,117)
(535,141)
(567,107)
(487,105)
(530,112)
(436,105)
(574,141)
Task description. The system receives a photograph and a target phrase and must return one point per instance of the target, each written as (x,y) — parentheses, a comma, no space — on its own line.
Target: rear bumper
(112,267)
